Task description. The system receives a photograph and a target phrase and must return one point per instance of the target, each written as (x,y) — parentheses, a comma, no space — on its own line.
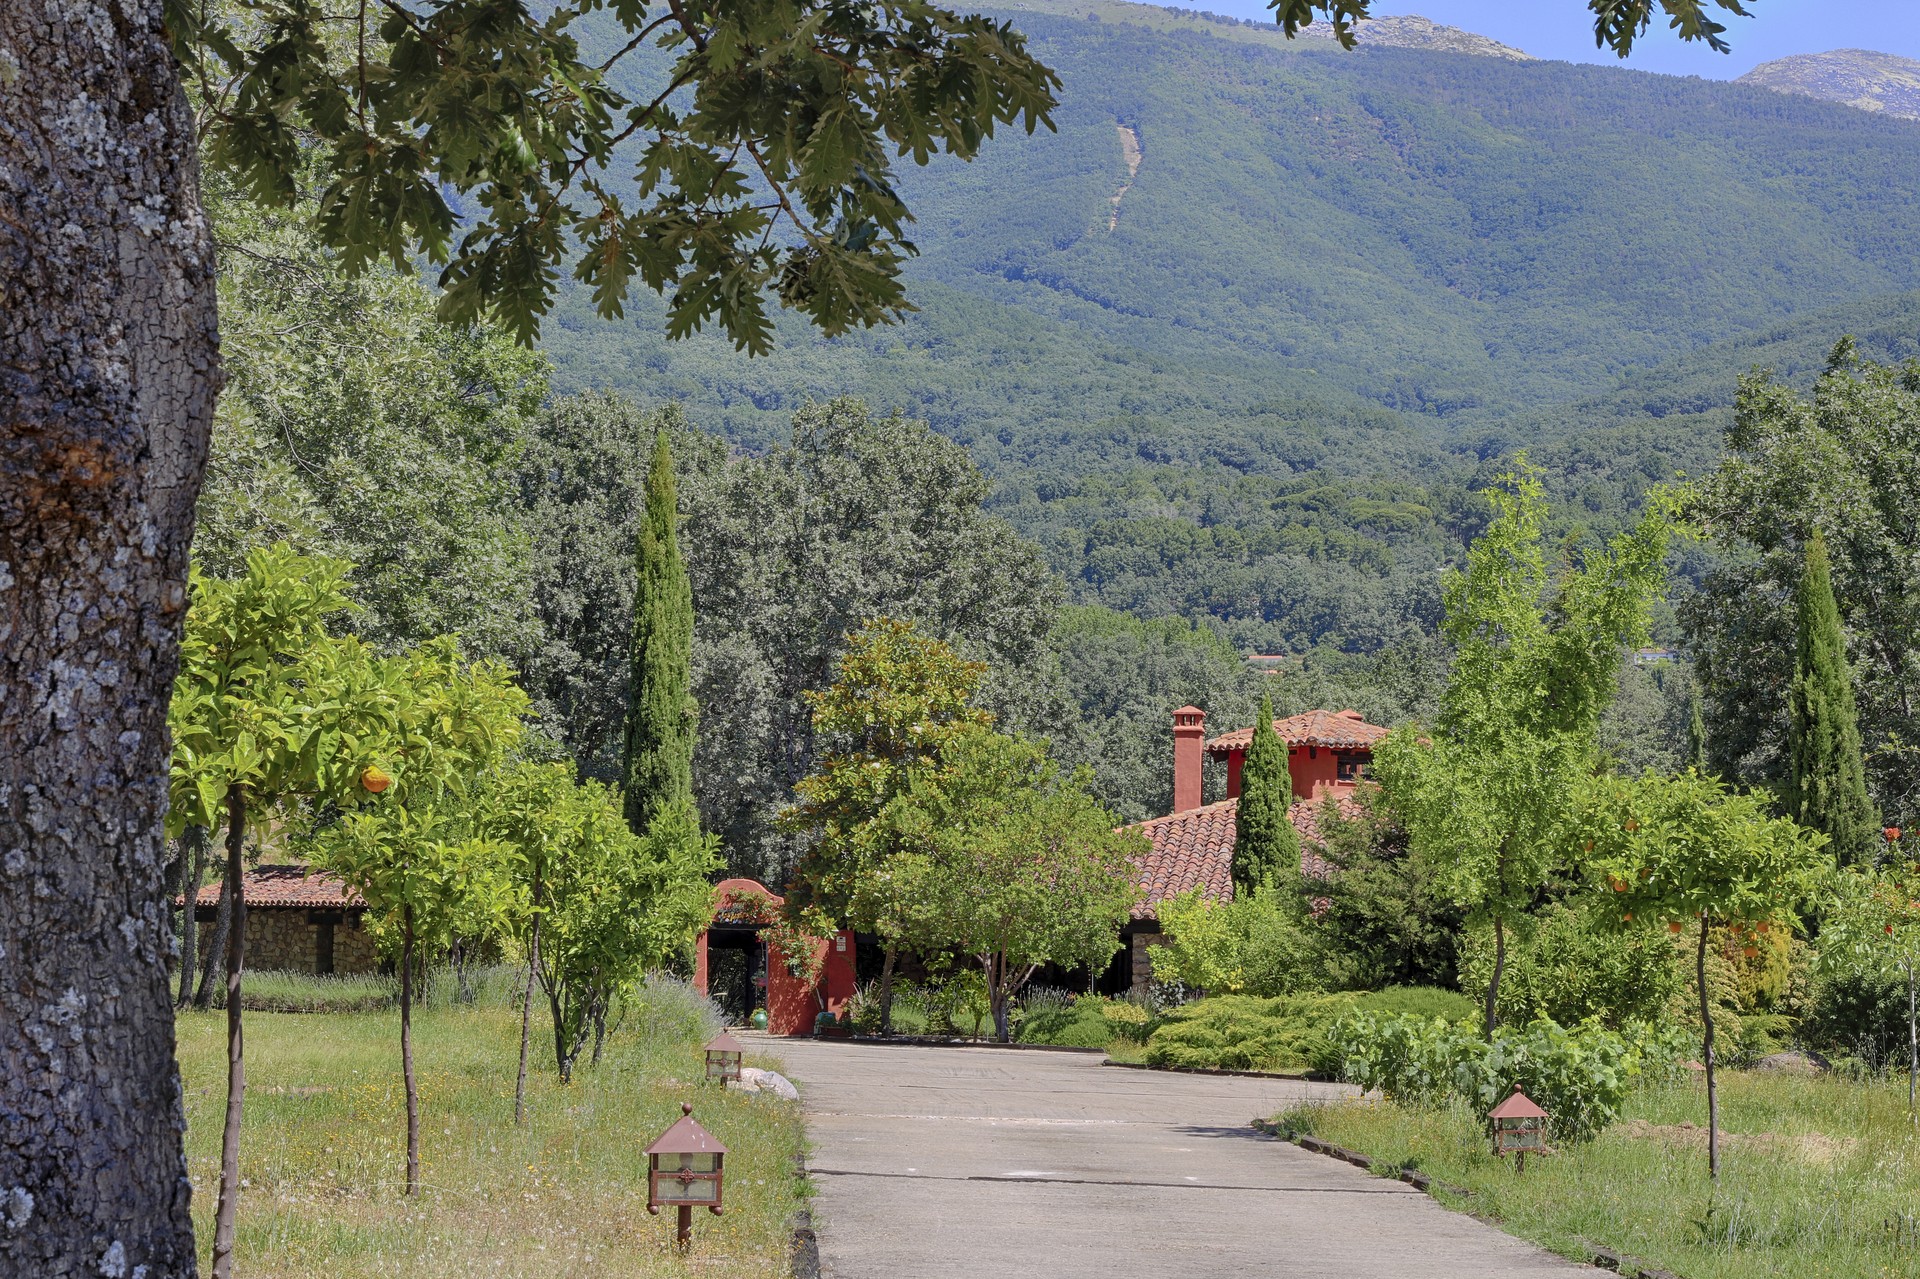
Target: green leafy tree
(614,904)
(1826,782)
(856,516)
(1012,863)
(1485,795)
(532,811)
(264,711)
(1254,944)
(1266,848)
(1390,918)
(356,425)
(1837,463)
(900,698)
(419,857)
(658,761)
(1870,928)
(1666,851)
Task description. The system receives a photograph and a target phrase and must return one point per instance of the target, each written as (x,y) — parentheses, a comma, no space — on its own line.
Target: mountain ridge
(1865,79)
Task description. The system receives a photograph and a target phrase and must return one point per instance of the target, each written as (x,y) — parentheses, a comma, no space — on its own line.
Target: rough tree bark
(108,371)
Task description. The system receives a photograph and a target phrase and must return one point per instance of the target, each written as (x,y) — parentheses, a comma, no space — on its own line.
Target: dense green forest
(1262,386)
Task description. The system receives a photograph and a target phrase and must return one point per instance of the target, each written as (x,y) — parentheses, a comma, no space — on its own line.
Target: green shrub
(1089,1021)
(1242,1032)
(1570,966)
(1421,1001)
(1579,1076)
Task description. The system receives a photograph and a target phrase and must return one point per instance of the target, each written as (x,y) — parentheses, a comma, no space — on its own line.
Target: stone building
(1328,753)
(298,920)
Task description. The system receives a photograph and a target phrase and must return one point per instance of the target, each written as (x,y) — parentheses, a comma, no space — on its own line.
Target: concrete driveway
(979,1163)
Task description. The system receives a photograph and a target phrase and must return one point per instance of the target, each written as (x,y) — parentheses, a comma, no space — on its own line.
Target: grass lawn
(1818,1177)
(323,1154)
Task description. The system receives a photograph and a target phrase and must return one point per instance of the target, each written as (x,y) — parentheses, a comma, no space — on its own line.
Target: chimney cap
(1191,710)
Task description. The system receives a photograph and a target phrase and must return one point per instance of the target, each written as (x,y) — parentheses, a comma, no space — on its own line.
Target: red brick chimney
(1189,739)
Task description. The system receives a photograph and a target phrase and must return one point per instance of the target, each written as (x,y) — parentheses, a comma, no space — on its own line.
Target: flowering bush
(1580,1076)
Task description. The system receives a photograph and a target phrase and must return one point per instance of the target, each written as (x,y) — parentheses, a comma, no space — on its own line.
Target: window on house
(1351,768)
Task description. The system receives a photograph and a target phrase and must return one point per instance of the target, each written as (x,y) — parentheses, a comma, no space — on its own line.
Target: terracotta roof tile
(1196,848)
(286,886)
(1335,729)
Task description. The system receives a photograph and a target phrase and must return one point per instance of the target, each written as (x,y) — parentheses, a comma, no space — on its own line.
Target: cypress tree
(1826,777)
(1266,849)
(657,763)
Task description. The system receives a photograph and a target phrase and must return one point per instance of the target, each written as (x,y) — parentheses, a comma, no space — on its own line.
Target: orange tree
(900,697)
(1871,928)
(419,857)
(265,711)
(1660,851)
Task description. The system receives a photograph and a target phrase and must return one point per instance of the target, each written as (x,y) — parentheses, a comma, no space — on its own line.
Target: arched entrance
(732,958)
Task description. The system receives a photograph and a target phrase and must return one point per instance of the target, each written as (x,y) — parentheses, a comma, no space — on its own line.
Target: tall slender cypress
(1266,848)
(1826,777)
(657,763)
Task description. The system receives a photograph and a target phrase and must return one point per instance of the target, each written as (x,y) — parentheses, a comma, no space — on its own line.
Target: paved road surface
(977,1163)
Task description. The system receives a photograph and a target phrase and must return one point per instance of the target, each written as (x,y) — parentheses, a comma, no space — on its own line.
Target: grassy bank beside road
(1819,1177)
(323,1155)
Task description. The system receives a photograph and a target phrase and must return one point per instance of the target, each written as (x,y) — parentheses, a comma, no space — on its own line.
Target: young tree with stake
(264,711)
(420,857)
(1674,851)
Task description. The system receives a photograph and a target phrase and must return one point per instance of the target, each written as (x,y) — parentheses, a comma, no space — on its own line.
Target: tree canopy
(756,162)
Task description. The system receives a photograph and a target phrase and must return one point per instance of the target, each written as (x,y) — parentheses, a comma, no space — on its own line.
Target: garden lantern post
(685,1165)
(1519,1126)
(723,1057)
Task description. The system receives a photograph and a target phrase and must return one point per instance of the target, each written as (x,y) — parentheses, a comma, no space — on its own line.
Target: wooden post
(683,1230)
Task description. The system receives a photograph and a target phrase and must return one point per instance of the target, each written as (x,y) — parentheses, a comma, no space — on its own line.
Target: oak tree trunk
(108,371)
(406,1050)
(235,902)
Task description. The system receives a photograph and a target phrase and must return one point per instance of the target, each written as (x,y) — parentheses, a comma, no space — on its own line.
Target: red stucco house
(1328,753)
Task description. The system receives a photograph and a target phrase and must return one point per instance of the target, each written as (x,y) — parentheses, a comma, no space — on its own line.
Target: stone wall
(1142,965)
(281,939)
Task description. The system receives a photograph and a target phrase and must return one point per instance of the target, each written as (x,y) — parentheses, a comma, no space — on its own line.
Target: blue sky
(1564,29)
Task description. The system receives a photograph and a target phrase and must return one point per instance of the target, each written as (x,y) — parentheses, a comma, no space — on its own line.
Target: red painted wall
(1308,768)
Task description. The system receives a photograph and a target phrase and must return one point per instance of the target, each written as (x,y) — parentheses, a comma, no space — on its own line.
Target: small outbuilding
(298,920)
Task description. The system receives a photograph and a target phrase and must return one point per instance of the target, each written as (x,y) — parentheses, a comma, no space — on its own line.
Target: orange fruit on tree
(1673,925)
(374,779)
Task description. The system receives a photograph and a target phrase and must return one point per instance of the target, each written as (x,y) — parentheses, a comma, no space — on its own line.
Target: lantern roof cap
(686,1138)
(1518,1106)
(725,1043)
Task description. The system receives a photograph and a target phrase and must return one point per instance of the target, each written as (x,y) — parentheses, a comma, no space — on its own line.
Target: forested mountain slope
(1433,231)
(1256,376)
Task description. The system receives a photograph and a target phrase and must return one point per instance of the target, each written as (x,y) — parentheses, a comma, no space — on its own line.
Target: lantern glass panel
(689,1163)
